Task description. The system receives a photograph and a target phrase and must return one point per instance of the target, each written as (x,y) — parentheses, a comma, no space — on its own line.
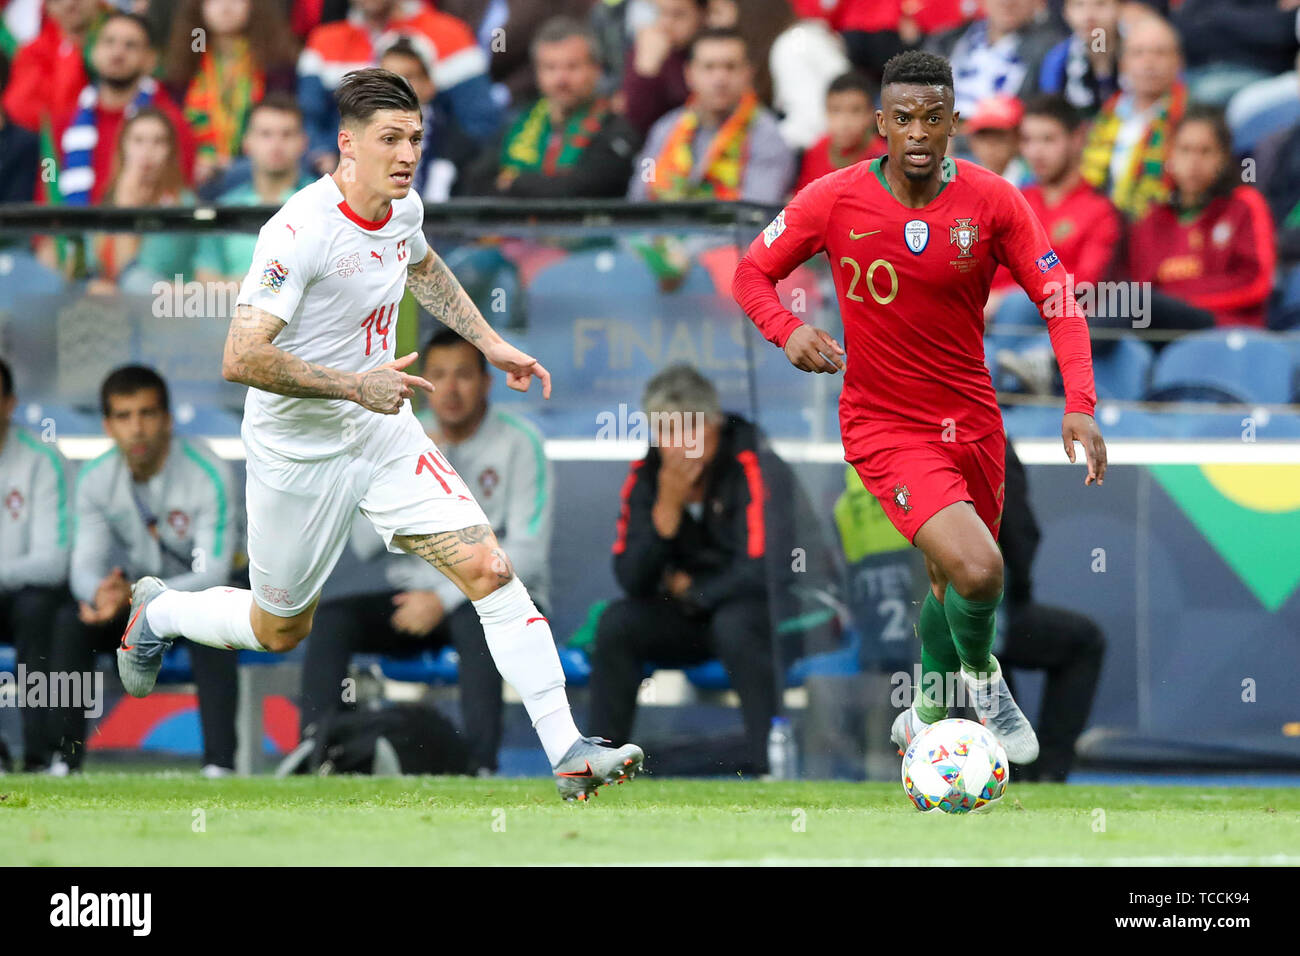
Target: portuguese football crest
(964,235)
(901,494)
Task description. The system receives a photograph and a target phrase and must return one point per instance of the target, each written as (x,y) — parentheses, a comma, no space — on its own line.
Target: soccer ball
(954,766)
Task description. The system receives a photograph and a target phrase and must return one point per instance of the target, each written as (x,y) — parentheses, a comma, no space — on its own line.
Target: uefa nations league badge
(917,235)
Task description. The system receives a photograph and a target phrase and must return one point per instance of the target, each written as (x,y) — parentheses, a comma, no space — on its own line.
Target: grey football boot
(997,711)
(140,655)
(588,765)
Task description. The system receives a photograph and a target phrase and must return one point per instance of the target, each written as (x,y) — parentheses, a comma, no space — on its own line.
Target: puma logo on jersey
(292,230)
(378,255)
(862,235)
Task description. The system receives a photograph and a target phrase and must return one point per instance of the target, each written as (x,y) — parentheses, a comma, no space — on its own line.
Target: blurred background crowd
(1168,129)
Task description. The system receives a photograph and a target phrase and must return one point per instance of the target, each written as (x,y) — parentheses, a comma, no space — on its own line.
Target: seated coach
(154,504)
(689,552)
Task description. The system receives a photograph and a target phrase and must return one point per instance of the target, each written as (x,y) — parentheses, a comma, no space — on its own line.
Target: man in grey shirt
(34,529)
(724,143)
(501,457)
(153,504)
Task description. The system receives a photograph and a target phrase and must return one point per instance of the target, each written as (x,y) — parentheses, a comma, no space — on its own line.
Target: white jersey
(337,280)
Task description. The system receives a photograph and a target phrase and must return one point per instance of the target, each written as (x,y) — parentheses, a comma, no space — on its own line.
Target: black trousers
(215,677)
(634,632)
(363,624)
(1069,647)
(27,621)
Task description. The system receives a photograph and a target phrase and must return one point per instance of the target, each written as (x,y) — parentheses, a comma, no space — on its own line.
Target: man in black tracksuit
(694,530)
(1066,645)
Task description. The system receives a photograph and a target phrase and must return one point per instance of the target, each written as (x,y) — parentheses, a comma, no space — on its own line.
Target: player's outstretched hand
(386,388)
(814,350)
(1082,428)
(518,366)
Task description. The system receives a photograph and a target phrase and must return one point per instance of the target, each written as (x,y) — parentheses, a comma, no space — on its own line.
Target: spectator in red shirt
(49,72)
(654,77)
(851,130)
(1209,252)
(1083,226)
(123,61)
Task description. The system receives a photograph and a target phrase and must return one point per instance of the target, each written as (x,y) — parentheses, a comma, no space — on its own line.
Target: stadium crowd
(1152,138)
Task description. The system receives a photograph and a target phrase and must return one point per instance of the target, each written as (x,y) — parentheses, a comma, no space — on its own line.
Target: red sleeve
(1098,249)
(1253,257)
(797,234)
(1021,245)
(24,100)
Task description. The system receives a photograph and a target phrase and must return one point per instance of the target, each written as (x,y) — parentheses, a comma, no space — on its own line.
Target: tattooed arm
(252,359)
(437,289)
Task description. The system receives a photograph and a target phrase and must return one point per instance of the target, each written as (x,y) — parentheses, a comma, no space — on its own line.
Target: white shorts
(300,513)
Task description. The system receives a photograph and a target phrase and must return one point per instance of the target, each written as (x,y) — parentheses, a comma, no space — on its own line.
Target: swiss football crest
(348,265)
(917,235)
(901,494)
(964,236)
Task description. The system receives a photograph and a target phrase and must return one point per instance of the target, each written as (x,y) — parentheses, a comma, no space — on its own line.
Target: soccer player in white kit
(328,430)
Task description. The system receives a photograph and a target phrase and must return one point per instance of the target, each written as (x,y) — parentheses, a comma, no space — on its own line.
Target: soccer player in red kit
(914,239)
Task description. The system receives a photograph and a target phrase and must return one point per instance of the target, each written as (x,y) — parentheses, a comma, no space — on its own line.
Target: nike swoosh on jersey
(862,235)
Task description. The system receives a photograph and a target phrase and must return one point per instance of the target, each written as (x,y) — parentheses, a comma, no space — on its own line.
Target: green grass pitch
(163,819)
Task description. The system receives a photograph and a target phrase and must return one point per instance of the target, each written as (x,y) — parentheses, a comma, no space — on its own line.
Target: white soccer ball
(954,766)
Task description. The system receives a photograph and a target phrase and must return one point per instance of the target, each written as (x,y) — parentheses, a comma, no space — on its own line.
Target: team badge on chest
(917,236)
(964,236)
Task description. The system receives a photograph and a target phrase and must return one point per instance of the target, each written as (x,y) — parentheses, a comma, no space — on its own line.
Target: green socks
(973,628)
(938,660)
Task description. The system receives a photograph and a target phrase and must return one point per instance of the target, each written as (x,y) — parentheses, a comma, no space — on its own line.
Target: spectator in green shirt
(275,143)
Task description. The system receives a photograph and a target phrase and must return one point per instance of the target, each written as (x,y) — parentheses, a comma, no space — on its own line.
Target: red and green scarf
(724,163)
(534,145)
(219,99)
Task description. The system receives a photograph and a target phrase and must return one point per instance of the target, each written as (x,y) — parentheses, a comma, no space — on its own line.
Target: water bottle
(782,759)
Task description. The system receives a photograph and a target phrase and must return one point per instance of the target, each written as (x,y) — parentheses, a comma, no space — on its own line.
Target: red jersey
(912,284)
(1084,228)
(1221,259)
(45,80)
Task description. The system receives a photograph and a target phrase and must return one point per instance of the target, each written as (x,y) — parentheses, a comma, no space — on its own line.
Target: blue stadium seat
(202,419)
(1230,365)
(176,666)
(428,667)
(442,667)
(1132,423)
(1123,373)
(8,659)
(1033,421)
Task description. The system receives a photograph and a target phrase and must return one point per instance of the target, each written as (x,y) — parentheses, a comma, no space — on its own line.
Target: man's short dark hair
(1053,106)
(135,18)
(446,338)
(852,82)
(130,379)
(917,68)
(711,34)
(6,380)
(364,92)
(279,102)
(559,29)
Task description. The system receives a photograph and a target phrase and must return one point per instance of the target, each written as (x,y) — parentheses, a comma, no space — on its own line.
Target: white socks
(217,617)
(524,652)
